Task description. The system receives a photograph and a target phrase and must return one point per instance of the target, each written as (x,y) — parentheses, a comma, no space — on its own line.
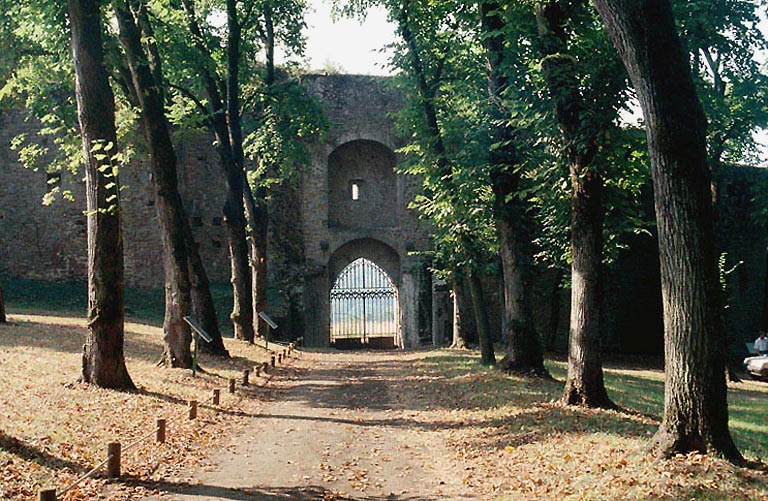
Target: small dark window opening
(197,221)
(217,221)
(355,189)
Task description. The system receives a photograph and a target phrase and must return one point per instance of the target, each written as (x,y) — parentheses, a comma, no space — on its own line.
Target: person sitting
(761,344)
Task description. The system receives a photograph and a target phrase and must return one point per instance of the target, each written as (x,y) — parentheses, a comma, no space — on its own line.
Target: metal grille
(363,303)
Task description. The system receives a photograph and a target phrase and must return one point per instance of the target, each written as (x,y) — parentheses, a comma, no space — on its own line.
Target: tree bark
(103,357)
(234,216)
(554,310)
(256,206)
(584,384)
(487,357)
(524,352)
(459,334)
(256,212)
(3,318)
(202,299)
(170,210)
(695,397)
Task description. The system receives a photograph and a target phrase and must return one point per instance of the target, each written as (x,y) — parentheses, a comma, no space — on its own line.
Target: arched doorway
(363,307)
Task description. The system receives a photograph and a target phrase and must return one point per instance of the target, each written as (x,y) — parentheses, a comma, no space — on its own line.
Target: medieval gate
(363,307)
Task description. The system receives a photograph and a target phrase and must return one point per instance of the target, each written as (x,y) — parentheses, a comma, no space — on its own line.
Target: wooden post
(216,396)
(113,460)
(160,430)
(258,370)
(264,367)
(231,385)
(279,358)
(245,377)
(272,360)
(192,409)
(46,495)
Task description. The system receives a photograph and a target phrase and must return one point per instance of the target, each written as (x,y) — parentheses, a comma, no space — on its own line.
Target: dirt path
(337,426)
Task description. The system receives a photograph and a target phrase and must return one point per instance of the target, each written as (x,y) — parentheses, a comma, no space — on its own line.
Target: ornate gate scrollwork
(363,303)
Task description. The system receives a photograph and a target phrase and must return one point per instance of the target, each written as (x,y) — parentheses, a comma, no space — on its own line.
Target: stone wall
(315,227)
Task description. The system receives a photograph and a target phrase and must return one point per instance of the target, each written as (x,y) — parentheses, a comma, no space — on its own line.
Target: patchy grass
(53,429)
(515,441)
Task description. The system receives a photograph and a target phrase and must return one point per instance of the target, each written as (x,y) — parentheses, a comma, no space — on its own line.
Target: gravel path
(337,425)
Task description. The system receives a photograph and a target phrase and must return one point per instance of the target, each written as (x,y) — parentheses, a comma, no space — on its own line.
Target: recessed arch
(362,185)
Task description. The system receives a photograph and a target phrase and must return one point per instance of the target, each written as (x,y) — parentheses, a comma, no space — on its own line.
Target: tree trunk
(136,30)
(459,334)
(524,353)
(202,299)
(554,310)
(234,128)
(242,311)
(103,358)
(3,319)
(584,384)
(487,357)
(257,223)
(695,398)
(170,210)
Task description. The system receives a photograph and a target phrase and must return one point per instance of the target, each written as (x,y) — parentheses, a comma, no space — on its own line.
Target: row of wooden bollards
(263,368)
(114,449)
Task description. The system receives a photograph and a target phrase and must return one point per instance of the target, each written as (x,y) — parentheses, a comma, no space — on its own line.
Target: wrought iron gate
(363,304)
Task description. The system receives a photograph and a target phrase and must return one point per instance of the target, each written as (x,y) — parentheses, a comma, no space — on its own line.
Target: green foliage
(724,41)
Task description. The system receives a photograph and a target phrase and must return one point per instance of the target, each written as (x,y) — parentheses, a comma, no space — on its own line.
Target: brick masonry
(316,228)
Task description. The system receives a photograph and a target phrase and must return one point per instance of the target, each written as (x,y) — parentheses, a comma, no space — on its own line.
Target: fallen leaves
(53,429)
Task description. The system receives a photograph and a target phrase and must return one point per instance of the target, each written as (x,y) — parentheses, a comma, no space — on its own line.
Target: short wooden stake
(285,354)
(279,358)
(231,385)
(245,377)
(264,367)
(257,369)
(46,495)
(216,396)
(192,409)
(160,430)
(113,460)
(273,361)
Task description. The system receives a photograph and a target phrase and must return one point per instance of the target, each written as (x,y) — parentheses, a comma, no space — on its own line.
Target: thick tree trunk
(3,319)
(584,384)
(103,358)
(487,357)
(257,223)
(170,210)
(460,341)
(695,399)
(202,299)
(524,352)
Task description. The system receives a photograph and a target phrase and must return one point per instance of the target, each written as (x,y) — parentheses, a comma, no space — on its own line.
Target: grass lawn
(53,429)
(517,442)
(70,298)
